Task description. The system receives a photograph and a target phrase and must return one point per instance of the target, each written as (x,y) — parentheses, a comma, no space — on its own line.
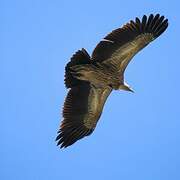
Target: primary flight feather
(91,79)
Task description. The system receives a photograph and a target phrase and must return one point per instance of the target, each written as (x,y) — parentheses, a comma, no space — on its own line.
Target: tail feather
(80,57)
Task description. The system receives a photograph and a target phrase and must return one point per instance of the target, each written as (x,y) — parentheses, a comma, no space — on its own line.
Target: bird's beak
(131,90)
(126,87)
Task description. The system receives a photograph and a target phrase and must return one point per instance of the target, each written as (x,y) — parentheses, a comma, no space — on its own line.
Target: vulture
(91,79)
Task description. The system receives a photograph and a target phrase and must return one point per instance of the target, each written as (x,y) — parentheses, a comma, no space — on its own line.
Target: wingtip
(67,137)
(154,23)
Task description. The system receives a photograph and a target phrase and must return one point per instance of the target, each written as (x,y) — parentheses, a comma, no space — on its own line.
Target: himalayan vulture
(91,79)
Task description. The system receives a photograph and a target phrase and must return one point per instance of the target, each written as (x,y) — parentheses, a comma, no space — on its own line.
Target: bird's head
(126,87)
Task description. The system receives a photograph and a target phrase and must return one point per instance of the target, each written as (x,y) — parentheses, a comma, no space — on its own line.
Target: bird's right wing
(82,109)
(118,47)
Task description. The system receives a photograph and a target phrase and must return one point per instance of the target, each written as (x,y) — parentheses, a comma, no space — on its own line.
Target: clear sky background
(138,135)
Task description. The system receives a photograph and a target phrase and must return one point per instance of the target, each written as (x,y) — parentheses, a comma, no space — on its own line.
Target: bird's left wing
(118,47)
(82,109)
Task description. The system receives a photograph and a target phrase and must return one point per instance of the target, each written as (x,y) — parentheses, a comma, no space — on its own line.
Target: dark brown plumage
(91,79)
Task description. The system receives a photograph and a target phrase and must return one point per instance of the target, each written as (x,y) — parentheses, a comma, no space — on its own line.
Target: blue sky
(138,134)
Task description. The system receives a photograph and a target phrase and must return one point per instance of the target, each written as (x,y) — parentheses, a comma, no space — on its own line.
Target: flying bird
(91,79)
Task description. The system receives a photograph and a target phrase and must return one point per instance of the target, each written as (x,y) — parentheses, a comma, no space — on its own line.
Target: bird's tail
(80,57)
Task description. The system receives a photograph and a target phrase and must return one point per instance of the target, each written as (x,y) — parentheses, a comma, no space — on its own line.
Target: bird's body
(91,79)
(99,74)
